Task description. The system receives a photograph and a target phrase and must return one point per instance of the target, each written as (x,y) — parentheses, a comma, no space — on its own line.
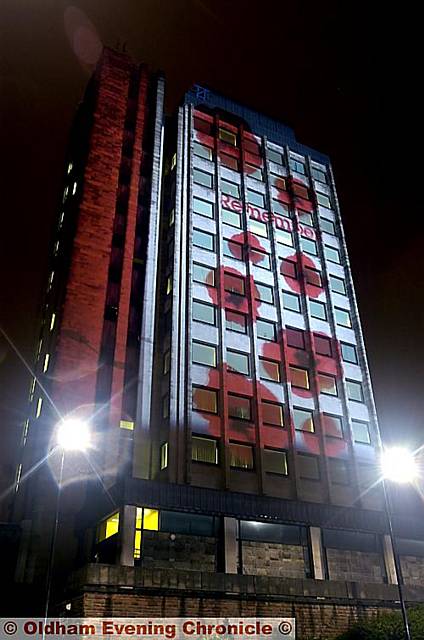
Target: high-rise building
(201,317)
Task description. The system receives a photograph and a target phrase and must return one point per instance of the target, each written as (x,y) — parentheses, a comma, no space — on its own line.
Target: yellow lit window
(147,519)
(173,161)
(299,377)
(151,519)
(168,285)
(228,136)
(70,167)
(46,362)
(137,545)
(108,527)
(52,321)
(39,405)
(171,217)
(126,424)
(164,456)
(40,345)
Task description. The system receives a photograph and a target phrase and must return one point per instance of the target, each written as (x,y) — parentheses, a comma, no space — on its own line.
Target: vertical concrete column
(127,535)
(317,553)
(230,545)
(389,560)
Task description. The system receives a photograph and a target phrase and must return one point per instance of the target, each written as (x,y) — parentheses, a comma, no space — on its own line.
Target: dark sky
(345,76)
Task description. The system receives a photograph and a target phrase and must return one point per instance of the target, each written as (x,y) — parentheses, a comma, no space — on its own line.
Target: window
(239,407)
(354,390)
(333,425)
(278,182)
(337,285)
(202,151)
(52,321)
(295,338)
(232,250)
(188,523)
(203,125)
(318,175)
(205,400)
(203,240)
(303,420)
(234,284)
(308,246)
(275,461)
(253,172)
(266,330)
(299,377)
(46,362)
(255,198)
(204,312)
(327,384)
(297,166)
(264,293)
(202,178)
(258,228)
(327,226)
(288,268)
(164,456)
(204,274)
(332,254)
(361,431)
(269,370)
(284,237)
(318,309)
(229,162)
(272,413)
(339,471)
(126,424)
(241,456)
(204,450)
(291,301)
(235,321)
(313,276)
(342,317)
(323,200)
(308,466)
(275,156)
(253,147)
(108,527)
(280,208)
(203,207)
(323,345)
(166,362)
(39,407)
(228,136)
(260,259)
(349,353)
(238,362)
(230,188)
(204,354)
(300,191)
(231,217)
(168,285)
(305,217)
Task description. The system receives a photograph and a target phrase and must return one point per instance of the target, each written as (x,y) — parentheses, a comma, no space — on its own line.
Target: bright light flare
(399,465)
(73,434)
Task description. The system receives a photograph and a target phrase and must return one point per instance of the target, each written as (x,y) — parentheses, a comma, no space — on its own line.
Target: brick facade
(272,559)
(354,565)
(185,552)
(412,570)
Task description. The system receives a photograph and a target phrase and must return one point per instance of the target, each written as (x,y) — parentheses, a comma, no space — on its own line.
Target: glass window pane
(228,136)
(308,246)
(202,151)
(361,432)
(232,250)
(337,285)
(349,353)
(203,240)
(230,188)
(354,390)
(241,456)
(318,309)
(305,217)
(318,175)
(265,330)
(272,413)
(275,462)
(204,274)
(204,450)
(253,172)
(275,156)
(235,321)
(203,207)
(327,384)
(327,226)
(284,237)
(342,317)
(204,354)
(313,277)
(237,362)
(322,345)
(339,471)
(332,254)
(323,200)
(239,407)
(233,284)
(288,268)
(291,301)
(231,217)
(205,400)
(269,370)
(297,166)
(258,228)
(204,312)
(229,161)
(295,338)
(333,425)
(299,377)
(280,208)
(308,466)
(300,191)
(255,198)
(303,420)
(260,259)
(203,178)
(264,293)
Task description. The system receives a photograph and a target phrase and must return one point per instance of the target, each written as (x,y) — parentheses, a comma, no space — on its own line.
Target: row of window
(205,400)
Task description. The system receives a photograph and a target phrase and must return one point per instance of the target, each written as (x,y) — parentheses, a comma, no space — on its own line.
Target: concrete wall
(272,559)
(354,565)
(412,570)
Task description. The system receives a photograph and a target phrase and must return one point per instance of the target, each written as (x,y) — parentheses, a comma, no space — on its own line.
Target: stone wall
(358,566)
(273,559)
(412,570)
(196,553)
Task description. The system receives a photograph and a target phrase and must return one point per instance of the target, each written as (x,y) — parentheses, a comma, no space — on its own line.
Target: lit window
(300,191)
(205,400)
(361,432)
(342,317)
(65,193)
(269,370)
(323,200)
(318,309)
(323,345)
(305,217)
(233,284)
(62,216)
(232,250)
(288,268)
(147,519)
(291,301)
(108,527)
(303,420)
(264,293)
(228,136)
(238,362)
(32,389)
(46,362)
(203,240)
(295,338)
(313,276)
(349,353)
(164,456)
(74,189)
(229,162)
(332,254)
(354,391)
(230,188)
(202,151)
(56,247)
(280,208)
(168,285)
(231,217)
(275,461)
(327,384)
(204,450)
(173,161)
(204,312)
(333,425)
(51,278)
(266,330)
(204,274)
(171,218)
(241,456)
(126,424)
(253,172)
(39,407)
(203,207)
(337,285)
(70,165)
(239,407)
(339,471)
(166,362)
(202,178)
(308,246)
(18,476)
(258,228)
(272,413)
(299,377)
(284,237)
(253,197)
(318,175)
(25,432)
(235,321)
(260,259)
(275,156)
(308,466)
(297,166)
(204,354)
(327,226)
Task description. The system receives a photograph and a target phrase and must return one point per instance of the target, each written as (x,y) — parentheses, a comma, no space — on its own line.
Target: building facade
(202,317)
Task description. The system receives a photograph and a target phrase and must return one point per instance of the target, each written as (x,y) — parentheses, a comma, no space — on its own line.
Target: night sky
(347,78)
